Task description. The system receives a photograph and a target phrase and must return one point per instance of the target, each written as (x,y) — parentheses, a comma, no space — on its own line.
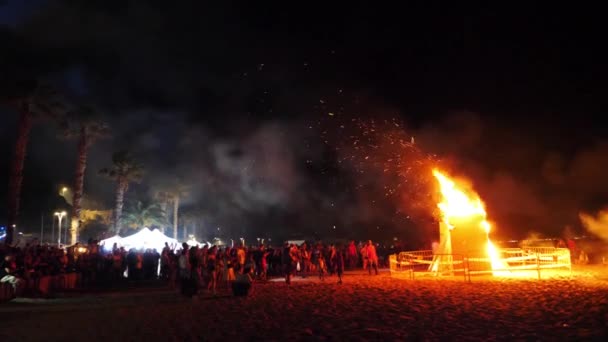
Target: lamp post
(60,216)
(53,230)
(41,229)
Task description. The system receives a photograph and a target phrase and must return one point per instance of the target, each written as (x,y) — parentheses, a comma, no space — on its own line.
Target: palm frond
(145,214)
(124,168)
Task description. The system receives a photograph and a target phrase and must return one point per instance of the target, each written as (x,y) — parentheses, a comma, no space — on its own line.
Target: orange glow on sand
(461,203)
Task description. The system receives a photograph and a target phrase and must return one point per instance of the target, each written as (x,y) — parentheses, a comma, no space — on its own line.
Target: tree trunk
(81,165)
(120,196)
(24,127)
(164,205)
(175,210)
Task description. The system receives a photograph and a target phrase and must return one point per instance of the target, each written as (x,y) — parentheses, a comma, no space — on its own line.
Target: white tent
(138,240)
(146,238)
(173,243)
(108,243)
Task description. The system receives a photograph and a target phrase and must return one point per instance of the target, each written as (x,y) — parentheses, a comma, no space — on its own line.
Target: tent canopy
(144,239)
(108,243)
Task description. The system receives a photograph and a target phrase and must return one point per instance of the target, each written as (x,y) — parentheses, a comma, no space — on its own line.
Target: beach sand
(362,308)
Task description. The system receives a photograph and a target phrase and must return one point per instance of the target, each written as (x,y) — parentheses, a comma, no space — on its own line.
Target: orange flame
(456,203)
(462,203)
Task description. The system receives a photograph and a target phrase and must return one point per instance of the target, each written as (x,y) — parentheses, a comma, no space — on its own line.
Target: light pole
(53,230)
(41,229)
(59,215)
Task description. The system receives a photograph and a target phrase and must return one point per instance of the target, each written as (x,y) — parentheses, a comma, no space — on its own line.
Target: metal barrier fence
(512,262)
(412,262)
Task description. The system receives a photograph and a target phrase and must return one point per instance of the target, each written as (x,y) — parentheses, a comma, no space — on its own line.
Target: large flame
(456,203)
(462,203)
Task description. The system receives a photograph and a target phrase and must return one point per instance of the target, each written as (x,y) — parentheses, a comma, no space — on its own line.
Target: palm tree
(179,191)
(125,170)
(173,193)
(85,124)
(164,198)
(144,214)
(32,100)
(190,217)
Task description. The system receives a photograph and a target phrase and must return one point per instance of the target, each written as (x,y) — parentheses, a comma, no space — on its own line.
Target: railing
(412,262)
(512,262)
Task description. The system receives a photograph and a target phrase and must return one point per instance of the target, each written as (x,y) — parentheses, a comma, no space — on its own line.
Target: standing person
(184,270)
(230,275)
(364,256)
(372,257)
(302,259)
(220,268)
(352,256)
(331,257)
(287,263)
(211,269)
(338,262)
(296,258)
(264,263)
(117,269)
(305,259)
(241,257)
(572,247)
(320,260)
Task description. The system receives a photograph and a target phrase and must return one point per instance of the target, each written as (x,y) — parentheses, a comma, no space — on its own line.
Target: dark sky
(512,96)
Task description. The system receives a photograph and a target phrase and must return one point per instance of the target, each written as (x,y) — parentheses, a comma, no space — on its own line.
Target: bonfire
(464,228)
(465,246)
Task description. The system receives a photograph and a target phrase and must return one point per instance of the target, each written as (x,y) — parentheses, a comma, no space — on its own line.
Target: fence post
(570,263)
(538,265)
(464,269)
(468,269)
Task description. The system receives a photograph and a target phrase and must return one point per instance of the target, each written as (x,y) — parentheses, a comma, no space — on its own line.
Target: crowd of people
(208,268)
(191,268)
(20,266)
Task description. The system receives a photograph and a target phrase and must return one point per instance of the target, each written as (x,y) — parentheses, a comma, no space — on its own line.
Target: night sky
(234,97)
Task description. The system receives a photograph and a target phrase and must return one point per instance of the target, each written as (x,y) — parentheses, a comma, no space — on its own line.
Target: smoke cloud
(597,225)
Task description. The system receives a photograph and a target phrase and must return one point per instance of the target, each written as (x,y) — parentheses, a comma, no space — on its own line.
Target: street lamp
(63,190)
(60,216)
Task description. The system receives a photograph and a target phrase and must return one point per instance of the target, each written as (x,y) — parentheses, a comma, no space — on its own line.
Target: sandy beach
(362,308)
